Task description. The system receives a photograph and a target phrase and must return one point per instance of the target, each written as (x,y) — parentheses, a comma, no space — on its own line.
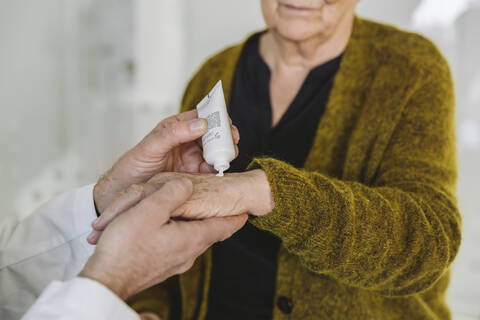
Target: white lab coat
(49,245)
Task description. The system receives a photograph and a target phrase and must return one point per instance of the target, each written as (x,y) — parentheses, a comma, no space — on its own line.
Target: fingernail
(90,237)
(198,125)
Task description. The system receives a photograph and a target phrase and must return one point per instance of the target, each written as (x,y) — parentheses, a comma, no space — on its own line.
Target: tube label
(218,148)
(214,120)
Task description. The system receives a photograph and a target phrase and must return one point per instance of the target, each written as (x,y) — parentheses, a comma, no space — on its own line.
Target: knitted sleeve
(398,234)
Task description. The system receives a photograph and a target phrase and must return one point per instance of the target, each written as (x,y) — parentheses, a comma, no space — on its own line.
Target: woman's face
(299,20)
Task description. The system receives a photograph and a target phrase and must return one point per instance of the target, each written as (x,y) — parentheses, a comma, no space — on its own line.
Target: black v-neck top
(245,266)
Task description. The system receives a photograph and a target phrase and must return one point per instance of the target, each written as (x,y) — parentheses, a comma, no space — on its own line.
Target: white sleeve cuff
(61,222)
(85,213)
(79,299)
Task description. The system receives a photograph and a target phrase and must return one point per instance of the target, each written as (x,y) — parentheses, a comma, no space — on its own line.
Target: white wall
(65,84)
(31,93)
(215,24)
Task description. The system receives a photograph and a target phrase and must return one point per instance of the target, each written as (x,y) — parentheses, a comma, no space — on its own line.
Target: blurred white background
(82,81)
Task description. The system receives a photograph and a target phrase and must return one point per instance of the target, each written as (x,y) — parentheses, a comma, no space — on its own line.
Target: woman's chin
(296,33)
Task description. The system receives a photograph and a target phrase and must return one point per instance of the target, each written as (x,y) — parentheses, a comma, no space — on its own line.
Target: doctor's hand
(174,145)
(143,246)
(212,196)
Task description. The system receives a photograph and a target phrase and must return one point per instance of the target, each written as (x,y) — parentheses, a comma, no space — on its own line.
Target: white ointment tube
(218,148)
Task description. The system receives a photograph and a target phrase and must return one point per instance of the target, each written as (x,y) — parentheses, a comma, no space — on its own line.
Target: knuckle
(136,189)
(186,266)
(222,233)
(161,178)
(155,130)
(171,130)
(227,235)
(207,240)
(220,237)
(182,186)
(162,125)
(201,248)
(197,248)
(167,121)
(183,257)
(177,184)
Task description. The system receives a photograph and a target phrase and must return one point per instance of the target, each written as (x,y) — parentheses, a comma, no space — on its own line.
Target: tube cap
(221,165)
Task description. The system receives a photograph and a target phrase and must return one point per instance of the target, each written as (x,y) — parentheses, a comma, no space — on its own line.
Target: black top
(244,266)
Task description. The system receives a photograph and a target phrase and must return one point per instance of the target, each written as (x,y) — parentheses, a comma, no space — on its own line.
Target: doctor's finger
(235,134)
(212,230)
(160,204)
(235,137)
(94,236)
(171,135)
(124,201)
(206,168)
(184,116)
(143,199)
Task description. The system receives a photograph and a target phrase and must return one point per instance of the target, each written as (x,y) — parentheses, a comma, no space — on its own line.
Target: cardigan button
(285,305)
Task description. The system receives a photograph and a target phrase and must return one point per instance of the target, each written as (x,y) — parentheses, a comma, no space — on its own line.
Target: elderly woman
(347,167)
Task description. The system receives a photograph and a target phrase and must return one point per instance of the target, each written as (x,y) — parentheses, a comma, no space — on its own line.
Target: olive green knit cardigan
(370,226)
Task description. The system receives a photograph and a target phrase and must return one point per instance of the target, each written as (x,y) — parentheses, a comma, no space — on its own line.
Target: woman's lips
(296,8)
(293,10)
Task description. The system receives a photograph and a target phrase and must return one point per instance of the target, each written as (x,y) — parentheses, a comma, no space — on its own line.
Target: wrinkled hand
(236,193)
(174,145)
(212,196)
(143,246)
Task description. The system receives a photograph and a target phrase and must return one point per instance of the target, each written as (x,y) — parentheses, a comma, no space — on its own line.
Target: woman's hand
(212,196)
(174,145)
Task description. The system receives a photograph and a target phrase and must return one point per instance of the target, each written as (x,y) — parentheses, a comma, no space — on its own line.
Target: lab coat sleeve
(50,244)
(79,299)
